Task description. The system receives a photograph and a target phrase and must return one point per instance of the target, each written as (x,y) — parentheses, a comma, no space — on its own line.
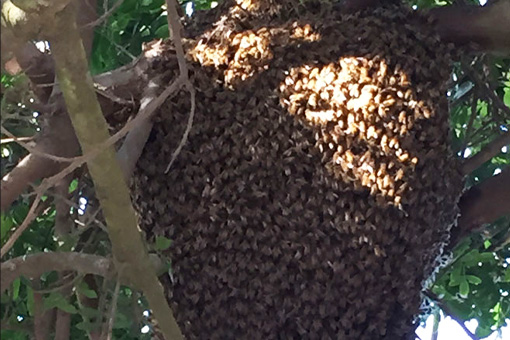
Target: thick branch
(58,139)
(43,319)
(112,191)
(483,204)
(489,151)
(33,266)
(488,26)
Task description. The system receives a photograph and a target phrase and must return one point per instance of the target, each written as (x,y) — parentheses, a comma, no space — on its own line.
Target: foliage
(476,284)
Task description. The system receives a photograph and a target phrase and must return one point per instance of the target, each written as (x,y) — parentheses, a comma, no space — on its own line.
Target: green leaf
(121,321)
(19,213)
(482,332)
(462,247)
(86,326)
(162,243)
(5,225)
(456,277)
(73,186)
(464,289)
(4,298)
(473,279)
(84,289)
(15,288)
(162,32)
(90,313)
(506,97)
(30,301)
(13,334)
(506,278)
(57,300)
(486,244)
(496,310)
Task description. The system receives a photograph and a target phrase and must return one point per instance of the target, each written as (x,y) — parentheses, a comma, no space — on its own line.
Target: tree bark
(482,204)
(488,26)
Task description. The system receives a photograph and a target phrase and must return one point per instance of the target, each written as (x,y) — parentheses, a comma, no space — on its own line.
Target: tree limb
(483,203)
(175,32)
(58,139)
(112,191)
(43,319)
(484,155)
(487,26)
(63,321)
(33,266)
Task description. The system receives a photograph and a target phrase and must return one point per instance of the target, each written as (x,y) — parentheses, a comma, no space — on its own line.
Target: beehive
(316,189)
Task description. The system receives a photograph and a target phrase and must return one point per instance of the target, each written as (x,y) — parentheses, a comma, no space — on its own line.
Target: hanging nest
(316,189)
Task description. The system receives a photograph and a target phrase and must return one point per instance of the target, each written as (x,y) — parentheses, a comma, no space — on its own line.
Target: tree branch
(486,26)
(448,312)
(57,139)
(483,203)
(175,32)
(33,266)
(63,320)
(112,191)
(484,155)
(42,318)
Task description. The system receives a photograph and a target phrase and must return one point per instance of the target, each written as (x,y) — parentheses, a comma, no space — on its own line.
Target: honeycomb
(317,189)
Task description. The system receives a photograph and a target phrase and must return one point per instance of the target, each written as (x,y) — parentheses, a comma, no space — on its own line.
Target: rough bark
(483,204)
(486,154)
(488,27)
(33,266)
(57,139)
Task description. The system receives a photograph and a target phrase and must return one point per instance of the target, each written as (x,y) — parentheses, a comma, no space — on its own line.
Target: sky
(450,330)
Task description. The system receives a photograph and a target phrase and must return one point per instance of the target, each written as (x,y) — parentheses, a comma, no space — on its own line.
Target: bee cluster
(316,189)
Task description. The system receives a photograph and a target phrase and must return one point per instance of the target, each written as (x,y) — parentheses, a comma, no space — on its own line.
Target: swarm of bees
(316,190)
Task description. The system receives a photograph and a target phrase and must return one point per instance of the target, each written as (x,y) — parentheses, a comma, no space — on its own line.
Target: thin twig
(435,328)
(483,133)
(462,98)
(105,16)
(79,161)
(486,89)
(32,214)
(174,27)
(487,152)
(103,91)
(449,313)
(184,138)
(472,117)
(119,47)
(34,150)
(98,324)
(15,139)
(175,33)
(113,310)
(57,288)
